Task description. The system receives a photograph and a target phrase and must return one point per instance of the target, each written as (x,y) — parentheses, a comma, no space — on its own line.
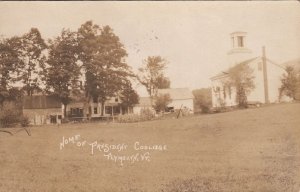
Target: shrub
(9,115)
(146,115)
(203,99)
(205,108)
(24,121)
(161,102)
(128,118)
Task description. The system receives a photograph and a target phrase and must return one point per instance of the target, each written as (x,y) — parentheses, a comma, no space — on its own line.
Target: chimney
(265,74)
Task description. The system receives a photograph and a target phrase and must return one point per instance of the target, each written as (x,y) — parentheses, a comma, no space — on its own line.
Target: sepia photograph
(150,96)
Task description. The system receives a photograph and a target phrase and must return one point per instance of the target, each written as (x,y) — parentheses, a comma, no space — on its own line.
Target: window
(229,92)
(108,110)
(116,99)
(77,112)
(224,92)
(240,41)
(116,109)
(53,119)
(95,110)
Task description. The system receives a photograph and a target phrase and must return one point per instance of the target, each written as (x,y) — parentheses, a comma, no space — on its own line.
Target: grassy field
(246,150)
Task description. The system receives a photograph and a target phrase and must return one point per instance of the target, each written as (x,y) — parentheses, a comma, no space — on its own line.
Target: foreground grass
(247,150)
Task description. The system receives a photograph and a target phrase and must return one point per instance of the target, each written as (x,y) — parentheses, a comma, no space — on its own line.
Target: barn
(42,109)
(182,98)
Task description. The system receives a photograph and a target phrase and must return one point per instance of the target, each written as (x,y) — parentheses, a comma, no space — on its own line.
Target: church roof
(225,73)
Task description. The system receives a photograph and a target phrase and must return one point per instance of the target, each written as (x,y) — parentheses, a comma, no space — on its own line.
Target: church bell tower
(239,52)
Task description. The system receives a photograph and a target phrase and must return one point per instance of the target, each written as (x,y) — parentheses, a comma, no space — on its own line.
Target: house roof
(41,102)
(144,101)
(177,93)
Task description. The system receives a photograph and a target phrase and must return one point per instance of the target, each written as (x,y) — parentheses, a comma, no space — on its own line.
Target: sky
(193,36)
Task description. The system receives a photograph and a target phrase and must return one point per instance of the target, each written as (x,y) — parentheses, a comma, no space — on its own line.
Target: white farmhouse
(267,75)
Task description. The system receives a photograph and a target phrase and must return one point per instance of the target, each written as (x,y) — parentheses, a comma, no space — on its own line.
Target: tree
(103,58)
(62,71)
(151,75)
(10,64)
(163,82)
(161,102)
(203,99)
(241,78)
(31,49)
(290,82)
(129,96)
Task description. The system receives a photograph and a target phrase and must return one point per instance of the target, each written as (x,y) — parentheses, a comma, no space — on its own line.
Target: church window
(224,92)
(240,41)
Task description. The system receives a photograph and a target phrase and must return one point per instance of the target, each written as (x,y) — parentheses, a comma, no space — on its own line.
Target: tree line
(57,65)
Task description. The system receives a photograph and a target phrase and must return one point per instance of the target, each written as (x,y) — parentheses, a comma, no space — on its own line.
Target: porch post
(112,110)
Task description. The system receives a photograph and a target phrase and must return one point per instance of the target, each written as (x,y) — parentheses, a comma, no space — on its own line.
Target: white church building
(267,75)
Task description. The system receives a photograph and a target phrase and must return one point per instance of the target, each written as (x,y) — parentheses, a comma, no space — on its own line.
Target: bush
(205,108)
(161,102)
(24,121)
(9,115)
(203,99)
(146,115)
(128,118)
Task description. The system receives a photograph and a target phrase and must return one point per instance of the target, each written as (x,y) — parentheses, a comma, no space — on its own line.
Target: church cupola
(239,52)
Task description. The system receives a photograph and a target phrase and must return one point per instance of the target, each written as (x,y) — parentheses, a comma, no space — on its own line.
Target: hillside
(248,150)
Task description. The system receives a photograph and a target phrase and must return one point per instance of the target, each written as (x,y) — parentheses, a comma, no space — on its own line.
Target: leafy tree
(129,96)
(88,35)
(203,99)
(290,82)
(103,58)
(62,71)
(10,64)
(163,82)
(241,78)
(151,75)
(161,102)
(11,108)
(31,49)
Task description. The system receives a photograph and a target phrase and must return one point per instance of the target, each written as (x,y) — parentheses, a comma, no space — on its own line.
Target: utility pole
(265,75)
